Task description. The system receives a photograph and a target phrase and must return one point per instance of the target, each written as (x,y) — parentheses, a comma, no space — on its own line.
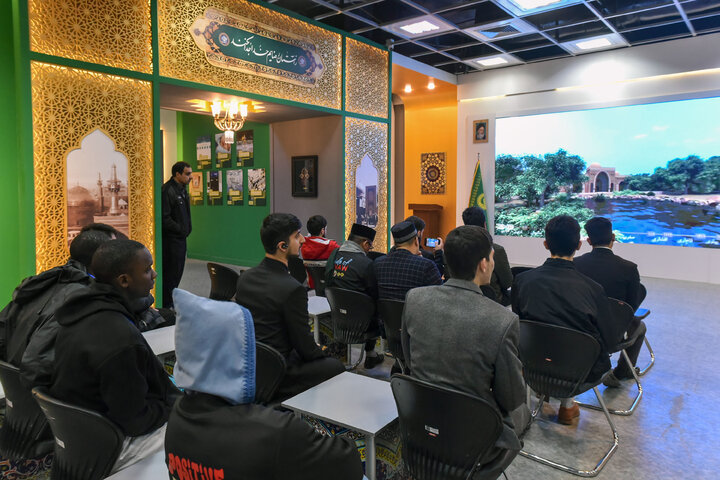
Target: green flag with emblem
(477,194)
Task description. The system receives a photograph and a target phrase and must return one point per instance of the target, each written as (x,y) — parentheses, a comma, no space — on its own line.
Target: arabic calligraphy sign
(237,43)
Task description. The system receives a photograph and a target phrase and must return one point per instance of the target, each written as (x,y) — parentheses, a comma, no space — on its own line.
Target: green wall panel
(225,233)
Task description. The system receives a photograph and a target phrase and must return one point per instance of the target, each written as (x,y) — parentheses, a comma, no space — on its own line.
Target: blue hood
(215,347)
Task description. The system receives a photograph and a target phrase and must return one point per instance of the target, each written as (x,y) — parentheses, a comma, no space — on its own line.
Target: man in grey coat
(479,337)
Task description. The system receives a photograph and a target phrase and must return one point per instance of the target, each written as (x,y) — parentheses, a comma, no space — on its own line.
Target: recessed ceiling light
(420,27)
(597,43)
(489,62)
(530,4)
(529,7)
(431,85)
(408,88)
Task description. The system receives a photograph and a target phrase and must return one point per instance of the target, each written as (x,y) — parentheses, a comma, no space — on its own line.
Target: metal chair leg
(581,473)
(348,367)
(647,367)
(635,402)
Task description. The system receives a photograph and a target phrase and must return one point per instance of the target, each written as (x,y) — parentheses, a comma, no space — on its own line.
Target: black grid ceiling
(636,21)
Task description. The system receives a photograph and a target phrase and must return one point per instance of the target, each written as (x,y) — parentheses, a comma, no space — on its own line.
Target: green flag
(477,194)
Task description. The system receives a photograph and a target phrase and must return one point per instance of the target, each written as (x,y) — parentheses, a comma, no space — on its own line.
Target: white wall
(321,136)
(681,69)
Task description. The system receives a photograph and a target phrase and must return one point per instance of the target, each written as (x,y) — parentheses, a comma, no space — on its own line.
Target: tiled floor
(674,433)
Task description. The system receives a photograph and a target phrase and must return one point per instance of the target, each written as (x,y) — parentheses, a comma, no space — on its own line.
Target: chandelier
(229,117)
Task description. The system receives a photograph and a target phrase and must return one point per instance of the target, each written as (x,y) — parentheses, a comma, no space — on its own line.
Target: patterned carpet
(35,469)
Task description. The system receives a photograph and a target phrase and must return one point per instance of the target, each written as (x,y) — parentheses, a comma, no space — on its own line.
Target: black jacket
(102,362)
(34,303)
(619,277)
(175,210)
(557,293)
(252,442)
(351,271)
(278,304)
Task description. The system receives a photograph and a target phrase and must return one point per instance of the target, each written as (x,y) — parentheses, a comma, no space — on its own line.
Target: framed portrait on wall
(480,131)
(304,176)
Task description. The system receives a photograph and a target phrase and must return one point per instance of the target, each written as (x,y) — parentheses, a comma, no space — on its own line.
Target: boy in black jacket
(102,361)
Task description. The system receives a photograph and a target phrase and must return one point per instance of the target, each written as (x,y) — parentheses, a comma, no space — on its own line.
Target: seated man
(278,304)
(404,268)
(316,246)
(350,268)
(437,254)
(37,298)
(482,358)
(557,293)
(216,428)
(502,275)
(102,361)
(620,279)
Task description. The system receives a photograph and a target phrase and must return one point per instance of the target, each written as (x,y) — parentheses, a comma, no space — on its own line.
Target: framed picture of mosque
(304,176)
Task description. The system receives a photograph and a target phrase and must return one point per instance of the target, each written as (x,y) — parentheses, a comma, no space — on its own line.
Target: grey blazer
(455,337)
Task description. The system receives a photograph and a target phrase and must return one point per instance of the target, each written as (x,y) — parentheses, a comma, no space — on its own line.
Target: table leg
(370,457)
(316,328)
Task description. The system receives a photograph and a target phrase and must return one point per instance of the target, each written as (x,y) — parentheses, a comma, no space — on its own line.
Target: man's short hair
(599,230)
(465,247)
(276,228)
(104,227)
(83,247)
(562,234)
(417,221)
(474,216)
(179,167)
(315,225)
(114,258)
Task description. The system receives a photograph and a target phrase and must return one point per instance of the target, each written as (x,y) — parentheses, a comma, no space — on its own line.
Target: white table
(149,468)
(317,306)
(161,340)
(354,401)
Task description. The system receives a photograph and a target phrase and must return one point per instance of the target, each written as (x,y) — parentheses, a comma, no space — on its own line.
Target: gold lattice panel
(363,137)
(67,104)
(116,33)
(181,58)
(366,79)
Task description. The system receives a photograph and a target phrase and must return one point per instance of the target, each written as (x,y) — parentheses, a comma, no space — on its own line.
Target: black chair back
(642,294)
(556,360)
(391,314)
(444,432)
(297,269)
(375,255)
(223,281)
(318,277)
(87,444)
(25,432)
(351,314)
(623,315)
(269,372)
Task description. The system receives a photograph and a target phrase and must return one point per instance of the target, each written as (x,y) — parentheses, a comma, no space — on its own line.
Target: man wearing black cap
(404,267)
(350,268)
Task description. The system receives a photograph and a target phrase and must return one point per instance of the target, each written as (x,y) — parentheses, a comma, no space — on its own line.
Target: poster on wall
(244,149)
(432,173)
(304,176)
(214,187)
(222,151)
(196,189)
(480,131)
(97,185)
(256,186)
(235,187)
(204,149)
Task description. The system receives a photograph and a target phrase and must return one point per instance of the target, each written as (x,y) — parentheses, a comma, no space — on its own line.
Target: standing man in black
(278,304)
(620,279)
(176,226)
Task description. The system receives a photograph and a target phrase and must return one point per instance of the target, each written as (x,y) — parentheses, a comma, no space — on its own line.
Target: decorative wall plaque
(238,43)
(432,173)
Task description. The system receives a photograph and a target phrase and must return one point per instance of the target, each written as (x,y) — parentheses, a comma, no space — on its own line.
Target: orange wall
(429,130)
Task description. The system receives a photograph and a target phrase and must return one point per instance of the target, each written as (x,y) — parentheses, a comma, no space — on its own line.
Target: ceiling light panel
(529,7)
(418,27)
(594,44)
(503,29)
(493,61)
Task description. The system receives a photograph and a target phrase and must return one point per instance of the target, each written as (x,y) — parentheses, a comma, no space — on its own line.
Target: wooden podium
(431,215)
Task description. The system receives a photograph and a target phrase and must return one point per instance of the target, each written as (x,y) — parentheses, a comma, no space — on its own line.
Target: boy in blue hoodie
(216,430)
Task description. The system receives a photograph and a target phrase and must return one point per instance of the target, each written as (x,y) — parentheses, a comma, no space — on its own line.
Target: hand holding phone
(431,242)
